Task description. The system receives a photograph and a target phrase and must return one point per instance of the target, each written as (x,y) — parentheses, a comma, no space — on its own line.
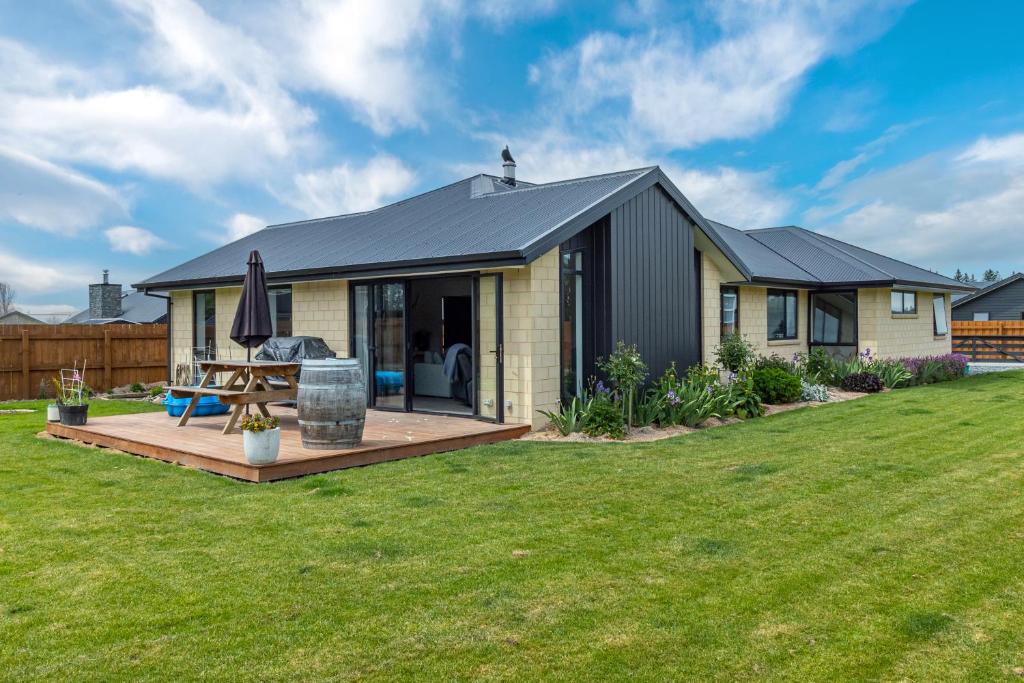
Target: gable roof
(984,291)
(473,223)
(20,318)
(136,307)
(795,255)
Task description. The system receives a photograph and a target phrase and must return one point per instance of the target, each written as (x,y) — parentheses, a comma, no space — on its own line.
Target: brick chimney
(105,299)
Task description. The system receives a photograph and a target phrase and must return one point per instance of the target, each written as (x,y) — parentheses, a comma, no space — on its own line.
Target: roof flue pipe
(508,165)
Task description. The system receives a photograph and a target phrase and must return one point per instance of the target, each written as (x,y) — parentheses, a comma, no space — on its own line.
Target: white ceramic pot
(52,413)
(261,447)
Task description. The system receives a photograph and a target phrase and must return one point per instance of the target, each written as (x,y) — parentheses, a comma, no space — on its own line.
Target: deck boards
(200,444)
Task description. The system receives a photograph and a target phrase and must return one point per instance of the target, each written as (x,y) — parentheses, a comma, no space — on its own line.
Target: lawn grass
(878,539)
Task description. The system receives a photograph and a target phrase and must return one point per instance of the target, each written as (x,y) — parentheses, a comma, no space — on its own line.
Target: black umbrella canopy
(252,325)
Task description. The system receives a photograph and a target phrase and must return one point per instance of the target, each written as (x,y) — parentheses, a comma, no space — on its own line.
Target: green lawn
(881,538)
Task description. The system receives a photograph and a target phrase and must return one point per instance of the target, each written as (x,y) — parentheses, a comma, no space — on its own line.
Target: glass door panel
(489,348)
(389,342)
(362,345)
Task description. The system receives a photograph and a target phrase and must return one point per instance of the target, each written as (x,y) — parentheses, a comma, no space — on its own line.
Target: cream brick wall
(753,318)
(181,328)
(531,340)
(894,336)
(711,308)
(320,309)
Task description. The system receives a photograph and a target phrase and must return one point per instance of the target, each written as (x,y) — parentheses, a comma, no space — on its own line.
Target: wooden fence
(30,355)
(989,340)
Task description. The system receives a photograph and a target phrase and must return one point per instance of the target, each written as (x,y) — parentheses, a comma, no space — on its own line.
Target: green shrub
(892,372)
(155,391)
(775,361)
(604,418)
(138,388)
(864,382)
(815,366)
(776,386)
(734,352)
(570,416)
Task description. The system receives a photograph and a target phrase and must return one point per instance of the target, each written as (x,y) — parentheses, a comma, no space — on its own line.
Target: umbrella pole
(248,359)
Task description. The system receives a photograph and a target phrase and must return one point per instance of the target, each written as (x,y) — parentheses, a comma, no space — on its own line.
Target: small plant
(627,370)
(570,416)
(813,392)
(931,369)
(155,391)
(776,386)
(649,409)
(892,372)
(742,401)
(864,382)
(258,423)
(137,388)
(734,352)
(604,418)
(816,366)
(70,388)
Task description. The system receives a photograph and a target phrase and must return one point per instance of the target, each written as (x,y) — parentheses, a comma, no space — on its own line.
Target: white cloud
(684,91)
(956,208)
(43,195)
(348,188)
(241,225)
(29,276)
(132,240)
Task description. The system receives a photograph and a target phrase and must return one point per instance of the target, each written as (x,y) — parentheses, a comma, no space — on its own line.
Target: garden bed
(652,433)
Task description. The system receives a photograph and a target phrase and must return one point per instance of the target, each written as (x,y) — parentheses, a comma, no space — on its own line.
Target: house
(493,297)
(19,318)
(1002,300)
(109,303)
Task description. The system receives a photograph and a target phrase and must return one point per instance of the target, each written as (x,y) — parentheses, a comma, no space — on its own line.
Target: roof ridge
(569,181)
(981,291)
(811,275)
(822,238)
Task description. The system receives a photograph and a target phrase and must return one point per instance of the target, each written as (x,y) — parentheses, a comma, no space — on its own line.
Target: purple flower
(732,376)
(673,399)
(710,389)
(601,388)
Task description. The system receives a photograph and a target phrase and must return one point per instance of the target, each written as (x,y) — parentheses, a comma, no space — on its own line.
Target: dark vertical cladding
(654,283)
(1005,303)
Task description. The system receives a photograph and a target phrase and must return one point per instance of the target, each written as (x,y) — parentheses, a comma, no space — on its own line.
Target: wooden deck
(200,444)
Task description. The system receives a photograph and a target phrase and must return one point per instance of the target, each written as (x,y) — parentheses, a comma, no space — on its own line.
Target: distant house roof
(985,291)
(799,256)
(473,223)
(136,307)
(19,318)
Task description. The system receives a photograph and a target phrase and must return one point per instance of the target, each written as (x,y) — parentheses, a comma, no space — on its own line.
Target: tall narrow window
(730,310)
(573,373)
(939,315)
(204,324)
(834,318)
(281,310)
(782,313)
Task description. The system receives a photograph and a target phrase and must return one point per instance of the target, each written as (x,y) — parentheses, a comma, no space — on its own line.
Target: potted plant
(72,397)
(261,437)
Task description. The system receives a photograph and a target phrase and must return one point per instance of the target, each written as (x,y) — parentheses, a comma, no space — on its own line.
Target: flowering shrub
(864,382)
(258,423)
(734,352)
(628,371)
(813,392)
(604,417)
(931,369)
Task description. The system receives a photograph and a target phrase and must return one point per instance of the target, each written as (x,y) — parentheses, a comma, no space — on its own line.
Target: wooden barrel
(332,403)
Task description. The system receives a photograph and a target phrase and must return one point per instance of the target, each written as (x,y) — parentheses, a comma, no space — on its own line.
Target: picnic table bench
(248,384)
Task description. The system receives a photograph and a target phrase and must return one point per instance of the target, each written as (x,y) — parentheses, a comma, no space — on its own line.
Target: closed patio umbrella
(252,325)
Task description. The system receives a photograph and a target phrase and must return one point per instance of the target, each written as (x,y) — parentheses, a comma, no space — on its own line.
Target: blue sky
(135,135)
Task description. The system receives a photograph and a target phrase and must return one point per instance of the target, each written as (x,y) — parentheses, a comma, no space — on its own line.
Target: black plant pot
(73,416)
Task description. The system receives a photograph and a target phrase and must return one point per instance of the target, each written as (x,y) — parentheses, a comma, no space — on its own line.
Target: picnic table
(248,384)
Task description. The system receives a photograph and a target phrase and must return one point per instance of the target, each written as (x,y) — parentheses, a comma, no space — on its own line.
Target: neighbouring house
(493,297)
(19,318)
(109,303)
(1002,300)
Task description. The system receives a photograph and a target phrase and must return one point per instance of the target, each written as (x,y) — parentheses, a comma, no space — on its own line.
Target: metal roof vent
(509,167)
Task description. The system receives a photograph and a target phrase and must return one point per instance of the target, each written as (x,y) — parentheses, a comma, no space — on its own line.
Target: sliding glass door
(489,344)
(378,341)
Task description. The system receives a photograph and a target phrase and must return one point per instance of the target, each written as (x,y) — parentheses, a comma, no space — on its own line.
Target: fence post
(26,365)
(974,349)
(107,363)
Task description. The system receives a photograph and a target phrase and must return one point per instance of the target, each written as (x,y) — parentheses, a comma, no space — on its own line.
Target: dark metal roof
(800,256)
(135,308)
(984,291)
(473,222)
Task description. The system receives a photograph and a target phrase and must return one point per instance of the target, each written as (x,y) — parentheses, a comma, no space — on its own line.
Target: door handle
(499,353)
